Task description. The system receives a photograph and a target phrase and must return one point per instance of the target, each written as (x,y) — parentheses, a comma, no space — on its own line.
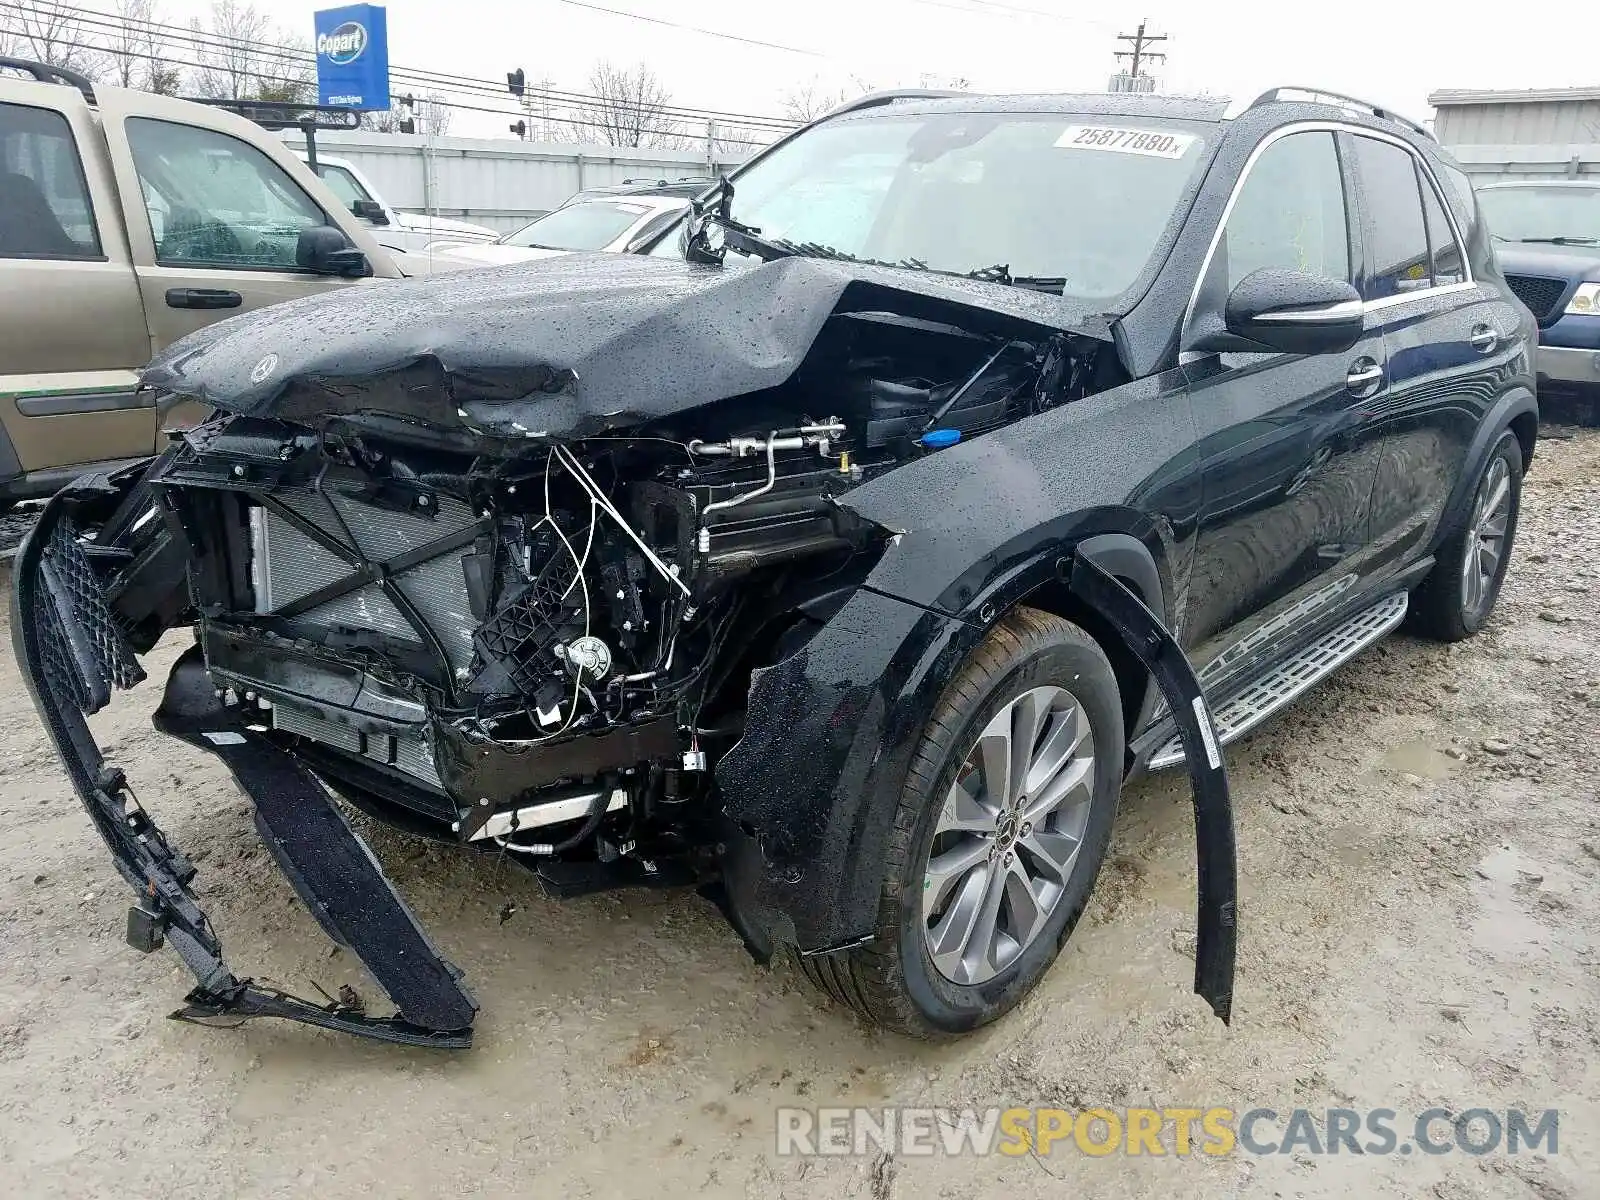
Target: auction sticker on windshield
(1151,142)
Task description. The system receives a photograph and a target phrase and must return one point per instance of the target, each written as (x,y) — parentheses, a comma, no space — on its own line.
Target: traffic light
(520,128)
(517,82)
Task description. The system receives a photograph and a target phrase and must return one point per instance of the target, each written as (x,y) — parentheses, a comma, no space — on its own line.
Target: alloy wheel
(1486,537)
(1008,835)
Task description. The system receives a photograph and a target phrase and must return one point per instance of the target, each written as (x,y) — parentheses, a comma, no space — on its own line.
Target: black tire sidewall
(1510,450)
(1082,669)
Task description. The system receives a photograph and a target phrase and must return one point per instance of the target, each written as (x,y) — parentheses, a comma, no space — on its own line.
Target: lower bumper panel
(1562,364)
(70,653)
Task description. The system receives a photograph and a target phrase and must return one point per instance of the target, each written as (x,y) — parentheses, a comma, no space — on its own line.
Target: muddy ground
(1419,926)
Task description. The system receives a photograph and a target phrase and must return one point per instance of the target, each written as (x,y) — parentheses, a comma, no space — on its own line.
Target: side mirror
(325,250)
(1294,313)
(370,210)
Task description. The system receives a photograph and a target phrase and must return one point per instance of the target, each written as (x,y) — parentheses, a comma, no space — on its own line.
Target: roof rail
(45,73)
(1340,100)
(880,99)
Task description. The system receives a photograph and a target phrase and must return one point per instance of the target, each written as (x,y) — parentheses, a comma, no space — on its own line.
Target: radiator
(287,565)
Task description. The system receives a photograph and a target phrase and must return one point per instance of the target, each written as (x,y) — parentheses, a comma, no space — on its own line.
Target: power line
(976,6)
(1139,41)
(419,77)
(576,122)
(716,33)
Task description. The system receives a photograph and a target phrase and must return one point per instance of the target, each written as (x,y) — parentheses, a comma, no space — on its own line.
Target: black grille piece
(1539,293)
(84,652)
(510,645)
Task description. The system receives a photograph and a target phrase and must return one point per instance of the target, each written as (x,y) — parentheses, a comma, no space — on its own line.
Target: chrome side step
(1291,678)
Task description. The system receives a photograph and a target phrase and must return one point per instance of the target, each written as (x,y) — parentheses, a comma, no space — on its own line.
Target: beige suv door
(214,207)
(72,329)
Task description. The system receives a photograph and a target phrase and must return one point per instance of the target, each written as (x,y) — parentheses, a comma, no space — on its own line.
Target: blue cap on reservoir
(939,439)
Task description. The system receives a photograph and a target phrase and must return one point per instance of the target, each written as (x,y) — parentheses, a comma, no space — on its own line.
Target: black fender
(811,787)
(810,790)
(1515,402)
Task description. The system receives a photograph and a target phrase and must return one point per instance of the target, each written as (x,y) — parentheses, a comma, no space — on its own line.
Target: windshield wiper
(1563,240)
(1001,273)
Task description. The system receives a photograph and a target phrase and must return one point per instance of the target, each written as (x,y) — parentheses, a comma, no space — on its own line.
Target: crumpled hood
(566,346)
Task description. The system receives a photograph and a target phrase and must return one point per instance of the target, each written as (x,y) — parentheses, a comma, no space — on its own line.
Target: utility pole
(546,131)
(1139,54)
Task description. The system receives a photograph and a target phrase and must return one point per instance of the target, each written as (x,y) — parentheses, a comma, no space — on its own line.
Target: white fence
(496,182)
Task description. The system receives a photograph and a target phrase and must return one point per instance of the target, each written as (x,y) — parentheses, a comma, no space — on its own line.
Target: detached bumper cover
(72,654)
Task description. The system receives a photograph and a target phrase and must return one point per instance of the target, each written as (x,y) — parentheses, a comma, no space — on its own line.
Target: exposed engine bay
(547,649)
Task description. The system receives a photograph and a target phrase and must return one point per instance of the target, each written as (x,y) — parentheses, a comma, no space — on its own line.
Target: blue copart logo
(344,45)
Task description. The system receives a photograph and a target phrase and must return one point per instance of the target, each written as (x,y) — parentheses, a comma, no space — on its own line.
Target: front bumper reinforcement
(71,654)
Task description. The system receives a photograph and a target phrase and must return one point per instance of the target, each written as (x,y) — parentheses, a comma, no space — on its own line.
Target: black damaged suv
(842,556)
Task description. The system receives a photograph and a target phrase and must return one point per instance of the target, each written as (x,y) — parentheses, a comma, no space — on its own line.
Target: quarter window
(44,198)
(1442,242)
(216,201)
(1398,259)
(1290,212)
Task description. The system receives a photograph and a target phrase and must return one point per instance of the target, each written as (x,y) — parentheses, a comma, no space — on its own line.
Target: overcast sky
(1388,51)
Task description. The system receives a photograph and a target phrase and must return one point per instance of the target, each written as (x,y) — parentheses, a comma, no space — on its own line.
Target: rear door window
(216,201)
(1398,258)
(44,197)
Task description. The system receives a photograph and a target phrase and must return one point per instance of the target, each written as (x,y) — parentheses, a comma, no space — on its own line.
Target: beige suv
(126,221)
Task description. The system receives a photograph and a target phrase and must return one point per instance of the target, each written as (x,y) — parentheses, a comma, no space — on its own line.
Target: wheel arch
(1127,559)
(1515,410)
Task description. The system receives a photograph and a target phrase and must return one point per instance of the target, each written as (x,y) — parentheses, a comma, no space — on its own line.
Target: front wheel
(1001,828)
(1456,598)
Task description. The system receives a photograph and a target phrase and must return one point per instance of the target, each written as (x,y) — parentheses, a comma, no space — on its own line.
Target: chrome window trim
(1334,127)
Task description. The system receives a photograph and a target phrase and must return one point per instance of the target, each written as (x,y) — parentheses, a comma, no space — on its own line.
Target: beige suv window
(44,201)
(216,201)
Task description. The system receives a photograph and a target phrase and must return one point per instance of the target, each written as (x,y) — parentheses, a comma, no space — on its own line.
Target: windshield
(1043,195)
(1541,212)
(588,225)
(343,184)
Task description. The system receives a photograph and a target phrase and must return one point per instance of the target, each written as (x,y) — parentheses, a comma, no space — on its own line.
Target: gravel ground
(1419,847)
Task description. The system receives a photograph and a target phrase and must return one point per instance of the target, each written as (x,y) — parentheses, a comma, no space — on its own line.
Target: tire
(1031,663)
(1448,606)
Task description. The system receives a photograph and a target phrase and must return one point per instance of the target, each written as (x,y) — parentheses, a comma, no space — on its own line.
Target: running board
(1292,678)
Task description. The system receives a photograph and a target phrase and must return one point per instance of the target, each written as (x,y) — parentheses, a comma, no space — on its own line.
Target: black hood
(564,346)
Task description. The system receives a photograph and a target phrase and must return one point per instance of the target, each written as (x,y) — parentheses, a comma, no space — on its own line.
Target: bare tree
(234,49)
(431,113)
(629,109)
(292,80)
(809,101)
(133,45)
(50,31)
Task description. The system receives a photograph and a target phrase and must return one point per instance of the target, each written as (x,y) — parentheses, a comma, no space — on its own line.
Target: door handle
(1484,339)
(1364,376)
(203,298)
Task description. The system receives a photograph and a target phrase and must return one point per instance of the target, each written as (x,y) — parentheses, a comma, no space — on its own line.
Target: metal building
(1556,115)
(1552,133)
